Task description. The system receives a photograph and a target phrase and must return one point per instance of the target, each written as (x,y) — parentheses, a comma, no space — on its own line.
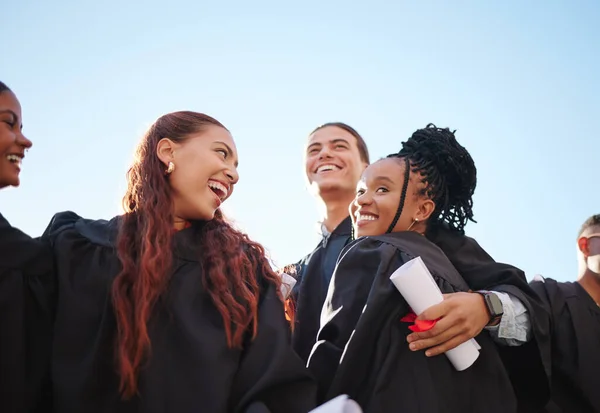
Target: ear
(583,245)
(164,150)
(425,209)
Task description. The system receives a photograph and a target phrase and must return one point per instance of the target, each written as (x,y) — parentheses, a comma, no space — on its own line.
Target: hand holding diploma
(419,289)
(462,317)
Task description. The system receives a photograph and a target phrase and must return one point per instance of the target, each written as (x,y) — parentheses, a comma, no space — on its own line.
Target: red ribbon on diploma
(419,325)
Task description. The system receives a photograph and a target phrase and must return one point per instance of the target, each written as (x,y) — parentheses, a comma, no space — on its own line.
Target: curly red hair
(231,261)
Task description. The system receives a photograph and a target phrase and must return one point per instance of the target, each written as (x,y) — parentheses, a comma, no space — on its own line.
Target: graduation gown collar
(186,242)
(344,228)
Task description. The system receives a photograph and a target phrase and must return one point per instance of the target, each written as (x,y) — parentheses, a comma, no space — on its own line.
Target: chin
(367,233)
(9,182)
(206,215)
(327,185)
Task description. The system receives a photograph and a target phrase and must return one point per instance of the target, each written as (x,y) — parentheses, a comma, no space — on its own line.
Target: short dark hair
(4,88)
(593,221)
(360,142)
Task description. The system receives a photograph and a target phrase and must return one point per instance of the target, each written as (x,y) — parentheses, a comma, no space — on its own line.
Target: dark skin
(462,315)
(13,143)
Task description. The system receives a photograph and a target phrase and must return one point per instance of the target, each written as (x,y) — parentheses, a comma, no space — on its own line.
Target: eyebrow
(3,111)
(229,151)
(384,178)
(333,141)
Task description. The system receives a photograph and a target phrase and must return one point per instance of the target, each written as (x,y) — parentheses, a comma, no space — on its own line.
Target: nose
(23,141)
(232,175)
(363,199)
(325,152)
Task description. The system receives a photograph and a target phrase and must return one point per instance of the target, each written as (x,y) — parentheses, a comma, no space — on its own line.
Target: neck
(335,209)
(180,224)
(591,284)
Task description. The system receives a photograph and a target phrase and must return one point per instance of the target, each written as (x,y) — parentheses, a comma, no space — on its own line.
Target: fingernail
(428,353)
(412,346)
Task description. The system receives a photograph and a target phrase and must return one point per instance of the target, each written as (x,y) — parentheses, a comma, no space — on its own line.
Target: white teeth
(14,159)
(360,217)
(222,189)
(328,167)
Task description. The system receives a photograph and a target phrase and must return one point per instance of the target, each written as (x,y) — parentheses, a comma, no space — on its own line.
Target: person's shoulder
(370,248)
(98,231)
(407,242)
(556,292)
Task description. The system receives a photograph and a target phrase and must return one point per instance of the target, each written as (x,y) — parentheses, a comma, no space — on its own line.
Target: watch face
(495,305)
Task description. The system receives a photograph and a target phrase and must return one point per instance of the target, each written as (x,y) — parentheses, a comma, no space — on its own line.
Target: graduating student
(361,348)
(13,145)
(575,310)
(166,308)
(336,155)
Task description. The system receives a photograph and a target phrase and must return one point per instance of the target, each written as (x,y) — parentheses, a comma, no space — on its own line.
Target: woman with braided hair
(362,346)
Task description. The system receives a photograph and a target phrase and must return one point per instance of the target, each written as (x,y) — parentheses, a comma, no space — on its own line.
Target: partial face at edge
(378,198)
(205,172)
(333,160)
(12,141)
(589,246)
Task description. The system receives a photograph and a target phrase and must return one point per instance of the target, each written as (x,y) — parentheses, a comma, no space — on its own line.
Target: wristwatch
(494,306)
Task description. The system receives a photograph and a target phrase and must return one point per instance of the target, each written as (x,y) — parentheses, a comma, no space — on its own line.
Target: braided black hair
(448,171)
(4,88)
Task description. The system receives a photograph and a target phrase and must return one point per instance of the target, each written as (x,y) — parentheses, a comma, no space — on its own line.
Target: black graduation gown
(528,365)
(191,369)
(575,346)
(25,323)
(361,320)
(313,276)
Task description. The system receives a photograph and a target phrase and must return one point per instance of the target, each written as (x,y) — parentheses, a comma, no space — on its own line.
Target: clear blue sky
(518,80)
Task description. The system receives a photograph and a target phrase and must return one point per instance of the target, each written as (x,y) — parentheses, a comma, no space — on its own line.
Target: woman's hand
(461,316)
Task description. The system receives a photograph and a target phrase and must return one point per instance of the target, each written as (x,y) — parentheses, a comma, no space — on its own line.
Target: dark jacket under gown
(361,321)
(55,294)
(313,274)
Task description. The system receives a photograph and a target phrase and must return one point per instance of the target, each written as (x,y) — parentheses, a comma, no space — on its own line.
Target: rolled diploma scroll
(341,404)
(417,286)
(287,284)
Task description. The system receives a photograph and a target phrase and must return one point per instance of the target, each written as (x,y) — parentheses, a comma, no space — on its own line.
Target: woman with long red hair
(166,308)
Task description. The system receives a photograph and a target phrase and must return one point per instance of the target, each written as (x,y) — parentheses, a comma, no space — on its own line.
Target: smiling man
(335,157)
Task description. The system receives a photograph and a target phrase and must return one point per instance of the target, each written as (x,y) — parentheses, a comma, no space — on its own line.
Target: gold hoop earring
(170,168)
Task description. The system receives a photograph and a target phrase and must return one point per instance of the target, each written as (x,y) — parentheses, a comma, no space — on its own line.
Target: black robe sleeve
(27,305)
(362,350)
(271,377)
(528,365)
(575,343)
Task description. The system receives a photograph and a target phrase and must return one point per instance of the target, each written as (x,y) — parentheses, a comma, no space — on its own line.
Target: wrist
(493,306)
